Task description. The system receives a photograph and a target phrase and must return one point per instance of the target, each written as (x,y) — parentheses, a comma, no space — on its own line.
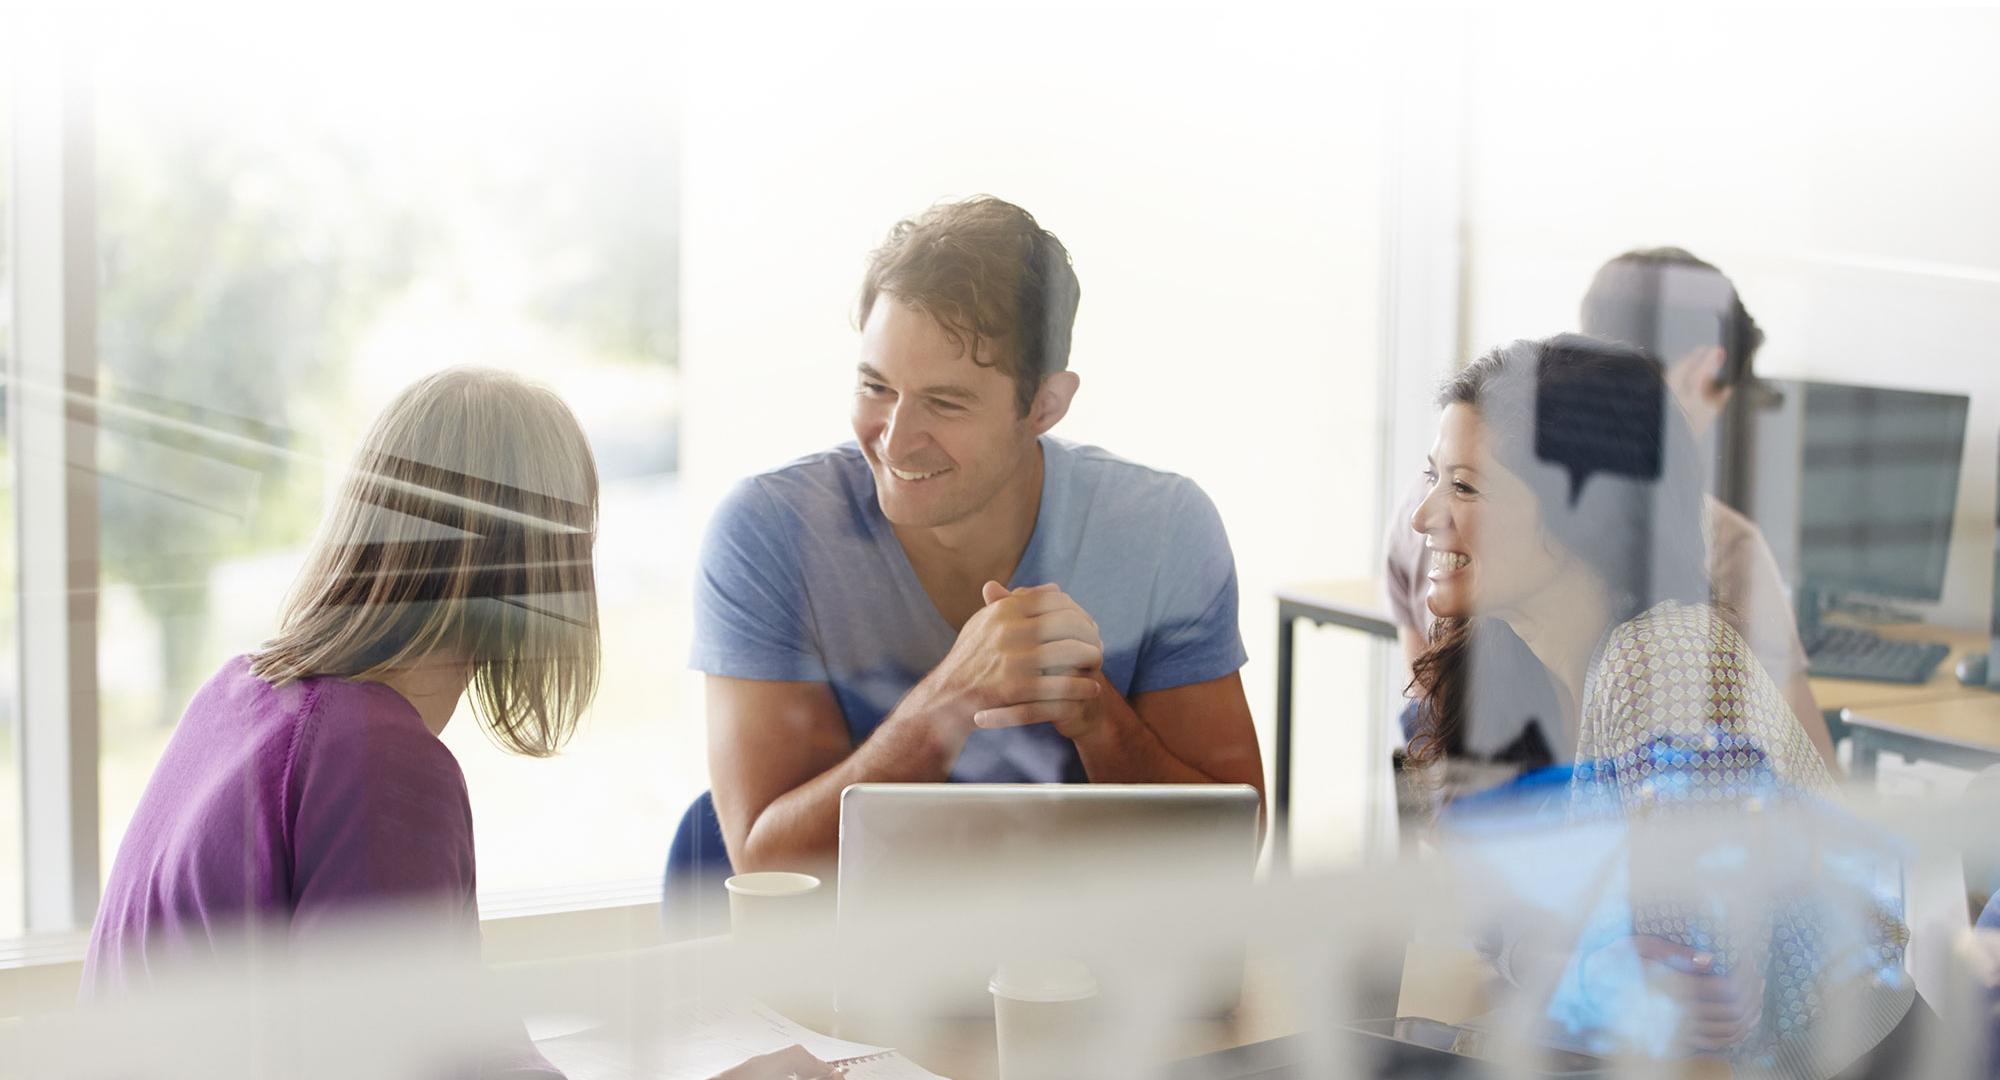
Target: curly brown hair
(998,283)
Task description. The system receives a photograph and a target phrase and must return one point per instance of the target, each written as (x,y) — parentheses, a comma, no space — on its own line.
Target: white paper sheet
(698,1041)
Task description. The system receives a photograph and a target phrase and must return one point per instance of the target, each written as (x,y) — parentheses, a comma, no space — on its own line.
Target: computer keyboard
(1844,652)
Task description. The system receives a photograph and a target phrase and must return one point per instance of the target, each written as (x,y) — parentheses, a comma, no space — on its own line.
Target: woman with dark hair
(1553,457)
(1565,510)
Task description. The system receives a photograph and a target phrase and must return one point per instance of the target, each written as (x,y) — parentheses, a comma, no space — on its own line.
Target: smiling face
(1481,524)
(942,434)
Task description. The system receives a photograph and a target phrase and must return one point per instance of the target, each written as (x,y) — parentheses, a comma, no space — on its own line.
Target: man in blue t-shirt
(955,594)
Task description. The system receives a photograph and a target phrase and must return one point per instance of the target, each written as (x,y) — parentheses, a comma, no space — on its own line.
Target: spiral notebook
(695,1042)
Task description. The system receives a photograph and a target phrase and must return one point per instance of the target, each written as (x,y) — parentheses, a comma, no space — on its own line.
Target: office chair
(693,902)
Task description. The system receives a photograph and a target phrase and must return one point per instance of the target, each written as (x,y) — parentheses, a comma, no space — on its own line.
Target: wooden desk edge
(1889,719)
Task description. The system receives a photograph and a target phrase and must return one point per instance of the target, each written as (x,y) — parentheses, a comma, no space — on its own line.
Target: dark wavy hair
(1591,428)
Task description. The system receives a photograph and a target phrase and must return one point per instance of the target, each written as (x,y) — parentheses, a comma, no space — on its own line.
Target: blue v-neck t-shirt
(801,579)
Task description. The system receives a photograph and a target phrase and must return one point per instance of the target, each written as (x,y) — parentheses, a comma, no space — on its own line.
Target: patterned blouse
(1679,719)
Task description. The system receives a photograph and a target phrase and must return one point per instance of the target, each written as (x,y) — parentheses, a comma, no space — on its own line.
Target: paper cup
(1045,1016)
(779,932)
(771,905)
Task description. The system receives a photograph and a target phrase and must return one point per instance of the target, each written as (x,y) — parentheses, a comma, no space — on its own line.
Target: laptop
(941,884)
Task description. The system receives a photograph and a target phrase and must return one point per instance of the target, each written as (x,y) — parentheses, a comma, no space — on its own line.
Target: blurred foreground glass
(10,736)
(284,246)
(1327,961)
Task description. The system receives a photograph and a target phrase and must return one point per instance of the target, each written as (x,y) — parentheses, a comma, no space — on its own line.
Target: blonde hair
(467,523)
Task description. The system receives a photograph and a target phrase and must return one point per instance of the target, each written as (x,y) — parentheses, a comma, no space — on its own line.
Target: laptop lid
(941,883)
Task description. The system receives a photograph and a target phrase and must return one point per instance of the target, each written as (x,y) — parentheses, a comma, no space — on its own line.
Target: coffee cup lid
(1049,980)
(771,883)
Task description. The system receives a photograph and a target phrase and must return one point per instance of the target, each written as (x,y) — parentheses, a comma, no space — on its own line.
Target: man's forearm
(916,743)
(1118,747)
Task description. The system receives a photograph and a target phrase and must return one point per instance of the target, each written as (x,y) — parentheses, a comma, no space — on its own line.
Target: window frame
(52,412)
(52,432)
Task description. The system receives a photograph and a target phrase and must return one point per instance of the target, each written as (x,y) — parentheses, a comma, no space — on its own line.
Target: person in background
(1687,314)
(306,784)
(957,595)
(1564,499)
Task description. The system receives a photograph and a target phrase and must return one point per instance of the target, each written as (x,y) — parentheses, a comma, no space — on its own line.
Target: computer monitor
(1855,487)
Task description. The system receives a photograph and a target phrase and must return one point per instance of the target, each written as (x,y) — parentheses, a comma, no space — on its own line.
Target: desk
(1962,731)
(1859,694)
(1937,720)
(626,988)
(1356,604)
(968,1049)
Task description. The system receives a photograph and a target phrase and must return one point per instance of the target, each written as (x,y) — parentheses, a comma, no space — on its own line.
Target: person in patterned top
(1686,314)
(1565,501)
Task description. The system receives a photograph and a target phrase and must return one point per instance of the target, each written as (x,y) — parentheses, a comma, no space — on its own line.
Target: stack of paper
(697,1041)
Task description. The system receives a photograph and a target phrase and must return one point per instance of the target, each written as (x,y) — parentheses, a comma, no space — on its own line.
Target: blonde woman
(306,781)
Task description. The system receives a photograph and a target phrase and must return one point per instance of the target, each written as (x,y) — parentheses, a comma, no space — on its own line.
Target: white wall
(1841,166)
(1214,171)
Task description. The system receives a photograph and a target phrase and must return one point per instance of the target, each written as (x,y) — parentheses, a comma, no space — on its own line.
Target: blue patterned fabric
(1681,724)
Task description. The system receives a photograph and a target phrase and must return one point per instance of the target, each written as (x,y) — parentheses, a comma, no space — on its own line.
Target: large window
(293,220)
(284,244)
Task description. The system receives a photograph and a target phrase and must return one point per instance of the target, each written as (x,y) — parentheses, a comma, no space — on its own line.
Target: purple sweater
(288,805)
(291,806)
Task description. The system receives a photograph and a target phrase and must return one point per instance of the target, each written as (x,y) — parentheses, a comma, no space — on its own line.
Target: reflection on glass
(276,264)
(10,768)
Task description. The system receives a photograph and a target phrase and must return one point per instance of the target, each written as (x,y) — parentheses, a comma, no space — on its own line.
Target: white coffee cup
(770,905)
(1046,1017)
(780,930)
